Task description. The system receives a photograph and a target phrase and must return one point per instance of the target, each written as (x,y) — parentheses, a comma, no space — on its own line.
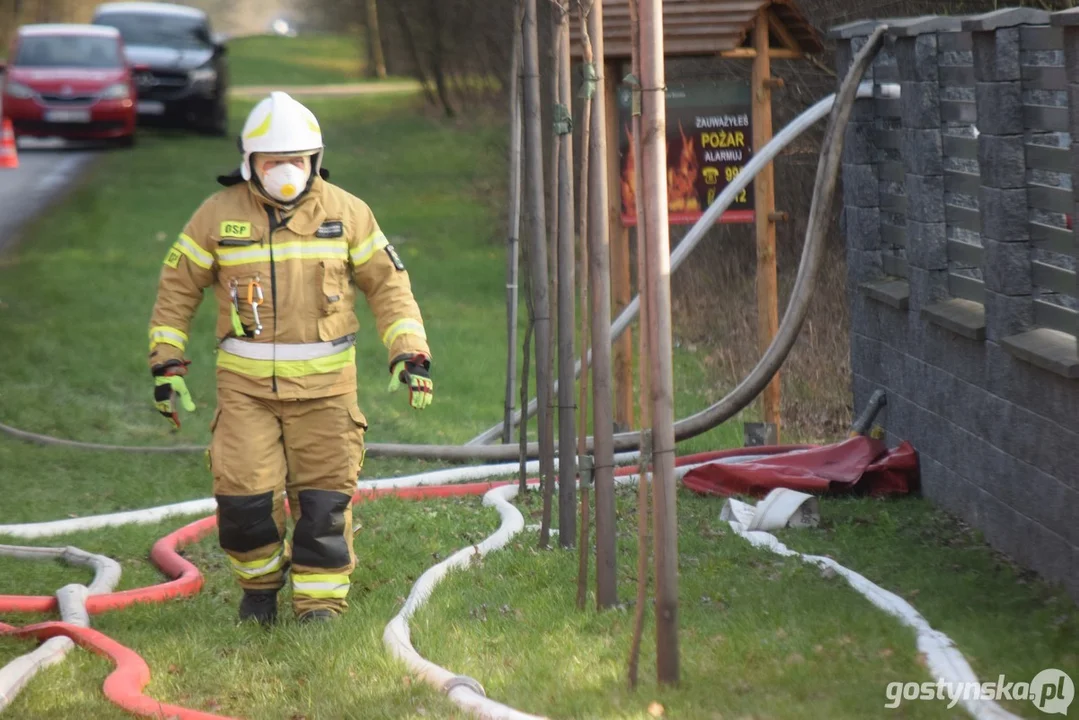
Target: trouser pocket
(357,448)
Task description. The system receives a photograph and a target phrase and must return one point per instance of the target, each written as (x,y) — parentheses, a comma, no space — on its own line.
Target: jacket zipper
(273,286)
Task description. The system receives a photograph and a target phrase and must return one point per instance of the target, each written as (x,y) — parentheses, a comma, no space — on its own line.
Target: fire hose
(124,685)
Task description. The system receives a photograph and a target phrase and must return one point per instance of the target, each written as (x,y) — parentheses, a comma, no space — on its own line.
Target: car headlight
(119,91)
(19,91)
(204,75)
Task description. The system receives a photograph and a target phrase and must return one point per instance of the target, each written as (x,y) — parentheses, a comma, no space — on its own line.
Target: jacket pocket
(333,281)
(332,327)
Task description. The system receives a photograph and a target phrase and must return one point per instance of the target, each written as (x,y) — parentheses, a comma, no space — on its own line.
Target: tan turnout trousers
(313,451)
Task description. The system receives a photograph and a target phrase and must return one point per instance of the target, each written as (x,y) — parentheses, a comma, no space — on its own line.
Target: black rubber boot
(317,616)
(259,605)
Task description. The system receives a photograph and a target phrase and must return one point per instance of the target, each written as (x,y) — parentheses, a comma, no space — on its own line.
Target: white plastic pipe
(946,663)
(762,158)
(466,692)
(209,505)
(72,603)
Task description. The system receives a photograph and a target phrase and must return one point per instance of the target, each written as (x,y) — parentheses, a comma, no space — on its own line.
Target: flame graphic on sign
(681,180)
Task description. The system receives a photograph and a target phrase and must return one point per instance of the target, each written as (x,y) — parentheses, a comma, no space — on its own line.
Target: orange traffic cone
(9,156)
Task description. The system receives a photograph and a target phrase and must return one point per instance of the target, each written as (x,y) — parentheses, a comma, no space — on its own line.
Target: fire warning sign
(709,140)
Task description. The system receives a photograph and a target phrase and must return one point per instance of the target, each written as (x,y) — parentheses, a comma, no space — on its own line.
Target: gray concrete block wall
(997,436)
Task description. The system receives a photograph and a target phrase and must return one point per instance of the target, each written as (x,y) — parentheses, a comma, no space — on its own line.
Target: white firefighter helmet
(282,126)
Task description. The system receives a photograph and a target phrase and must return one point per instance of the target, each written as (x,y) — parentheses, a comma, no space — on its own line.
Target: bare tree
(376,61)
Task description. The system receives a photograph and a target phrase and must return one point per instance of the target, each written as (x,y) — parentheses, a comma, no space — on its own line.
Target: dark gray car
(187,80)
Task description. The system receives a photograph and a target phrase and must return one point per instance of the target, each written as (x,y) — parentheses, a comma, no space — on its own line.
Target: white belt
(286,351)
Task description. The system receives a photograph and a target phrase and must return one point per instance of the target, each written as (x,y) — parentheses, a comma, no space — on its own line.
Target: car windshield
(52,51)
(175,31)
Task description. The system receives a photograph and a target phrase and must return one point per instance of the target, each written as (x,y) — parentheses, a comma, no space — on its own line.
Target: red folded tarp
(859,465)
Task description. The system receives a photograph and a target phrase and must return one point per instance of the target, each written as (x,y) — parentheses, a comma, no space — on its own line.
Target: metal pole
(512,246)
(538,223)
(600,283)
(657,241)
(567,431)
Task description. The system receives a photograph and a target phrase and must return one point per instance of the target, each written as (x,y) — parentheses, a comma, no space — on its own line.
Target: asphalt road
(46,169)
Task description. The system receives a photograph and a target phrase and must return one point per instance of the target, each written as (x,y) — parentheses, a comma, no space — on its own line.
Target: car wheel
(219,124)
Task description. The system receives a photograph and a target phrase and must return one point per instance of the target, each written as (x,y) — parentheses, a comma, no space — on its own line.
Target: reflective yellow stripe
(286,368)
(320,586)
(405,326)
(261,129)
(367,249)
(194,253)
(321,250)
(336,250)
(257,568)
(168,335)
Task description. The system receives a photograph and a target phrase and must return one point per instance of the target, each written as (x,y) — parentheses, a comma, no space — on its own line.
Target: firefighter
(284,251)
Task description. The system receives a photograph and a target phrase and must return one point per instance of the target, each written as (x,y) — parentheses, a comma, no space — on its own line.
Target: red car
(69,81)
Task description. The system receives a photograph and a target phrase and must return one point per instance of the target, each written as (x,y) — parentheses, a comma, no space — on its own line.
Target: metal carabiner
(254,299)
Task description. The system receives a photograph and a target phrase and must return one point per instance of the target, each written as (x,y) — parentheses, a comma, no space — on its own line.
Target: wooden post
(514,230)
(537,221)
(764,208)
(567,431)
(600,290)
(653,161)
(621,285)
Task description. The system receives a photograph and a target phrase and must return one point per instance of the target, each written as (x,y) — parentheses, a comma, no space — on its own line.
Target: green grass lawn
(762,636)
(302,60)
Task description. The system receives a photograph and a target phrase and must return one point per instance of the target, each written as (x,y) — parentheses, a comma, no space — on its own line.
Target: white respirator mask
(285,182)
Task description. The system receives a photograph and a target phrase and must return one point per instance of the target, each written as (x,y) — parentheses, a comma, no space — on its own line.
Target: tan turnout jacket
(308,262)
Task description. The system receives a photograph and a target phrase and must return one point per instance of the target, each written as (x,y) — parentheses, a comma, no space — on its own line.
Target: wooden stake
(660,342)
(582,274)
(764,206)
(514,230)
(600,283)
(645,389)
(567,433)
(538,256)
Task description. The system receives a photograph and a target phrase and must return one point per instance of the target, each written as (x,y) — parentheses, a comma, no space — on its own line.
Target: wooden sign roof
(709,27)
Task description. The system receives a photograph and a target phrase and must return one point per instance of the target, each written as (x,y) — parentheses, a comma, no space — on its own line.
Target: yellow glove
(412,371)
(169,385)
